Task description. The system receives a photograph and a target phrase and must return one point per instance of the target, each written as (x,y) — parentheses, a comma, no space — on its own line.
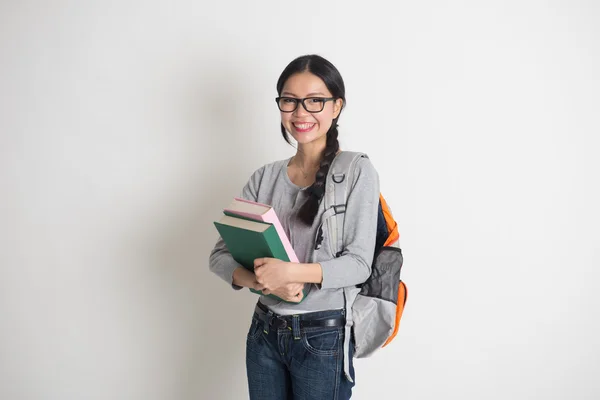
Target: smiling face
(303,126)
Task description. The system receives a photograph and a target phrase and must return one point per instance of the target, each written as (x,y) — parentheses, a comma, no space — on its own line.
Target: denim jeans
(297,363)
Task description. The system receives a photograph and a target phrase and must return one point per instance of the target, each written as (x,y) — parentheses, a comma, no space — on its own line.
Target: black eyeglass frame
(298,101)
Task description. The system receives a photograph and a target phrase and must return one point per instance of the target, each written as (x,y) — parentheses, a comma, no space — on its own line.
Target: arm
(360,225)
(273,273)
(221,262)
(244,278)
(354,265)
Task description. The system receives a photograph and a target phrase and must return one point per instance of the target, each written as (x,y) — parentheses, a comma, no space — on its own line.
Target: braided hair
(329,74)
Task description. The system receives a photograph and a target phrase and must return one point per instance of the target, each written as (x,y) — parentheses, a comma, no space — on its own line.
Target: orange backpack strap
(392,226)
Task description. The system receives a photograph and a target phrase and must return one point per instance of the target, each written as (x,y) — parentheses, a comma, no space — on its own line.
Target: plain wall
(125,127)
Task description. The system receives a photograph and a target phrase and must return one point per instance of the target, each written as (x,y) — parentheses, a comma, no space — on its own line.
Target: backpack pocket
(374,313)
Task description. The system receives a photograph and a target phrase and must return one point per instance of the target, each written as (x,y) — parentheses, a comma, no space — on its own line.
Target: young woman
(295,348)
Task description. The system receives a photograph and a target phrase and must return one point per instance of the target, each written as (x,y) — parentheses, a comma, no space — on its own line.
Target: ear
(337,107)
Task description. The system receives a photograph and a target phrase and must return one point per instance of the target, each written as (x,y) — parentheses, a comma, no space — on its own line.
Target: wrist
(306,273)
(242,277)
(294,272)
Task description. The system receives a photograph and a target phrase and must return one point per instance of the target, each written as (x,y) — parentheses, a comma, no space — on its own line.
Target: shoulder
(268,172)
(270,169)
(365,174)
(262,177)
(360,171)
(363,167)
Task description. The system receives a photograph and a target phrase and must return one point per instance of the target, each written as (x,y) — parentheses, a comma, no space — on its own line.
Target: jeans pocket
(255,329)
(322,341)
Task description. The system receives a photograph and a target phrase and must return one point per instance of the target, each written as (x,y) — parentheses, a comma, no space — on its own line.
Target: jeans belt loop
(296,326)
(267,322)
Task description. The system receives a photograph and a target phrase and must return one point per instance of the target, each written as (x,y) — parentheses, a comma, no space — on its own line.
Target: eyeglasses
(310,104)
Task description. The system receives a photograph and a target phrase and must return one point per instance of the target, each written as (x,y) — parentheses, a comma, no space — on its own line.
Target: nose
(300,110)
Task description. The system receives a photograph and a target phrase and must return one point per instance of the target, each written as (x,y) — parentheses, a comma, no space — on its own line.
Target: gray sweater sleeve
(220,261)
(360,224)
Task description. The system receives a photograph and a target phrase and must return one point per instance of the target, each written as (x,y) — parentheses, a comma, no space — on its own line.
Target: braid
(310,208)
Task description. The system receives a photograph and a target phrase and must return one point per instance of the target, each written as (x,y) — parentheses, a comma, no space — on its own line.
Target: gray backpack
(376,305)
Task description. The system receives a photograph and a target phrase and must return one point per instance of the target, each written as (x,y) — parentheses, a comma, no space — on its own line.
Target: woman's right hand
(257,286)
(292,292)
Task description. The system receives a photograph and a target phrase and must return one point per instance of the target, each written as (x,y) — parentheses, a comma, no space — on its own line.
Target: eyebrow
(308,95)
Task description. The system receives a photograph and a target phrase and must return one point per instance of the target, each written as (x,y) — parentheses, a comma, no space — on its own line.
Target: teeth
(304,126)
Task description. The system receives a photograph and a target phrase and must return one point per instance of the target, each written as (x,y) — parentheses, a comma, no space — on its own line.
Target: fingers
(261,261)
(259,283)
(258,273)
(261,272)
(295,298)
(291,292)
(294,292)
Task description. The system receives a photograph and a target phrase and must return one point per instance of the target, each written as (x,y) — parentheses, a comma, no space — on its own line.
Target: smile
(304,126)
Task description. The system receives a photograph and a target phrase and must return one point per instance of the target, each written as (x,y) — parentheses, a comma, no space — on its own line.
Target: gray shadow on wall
(213,318)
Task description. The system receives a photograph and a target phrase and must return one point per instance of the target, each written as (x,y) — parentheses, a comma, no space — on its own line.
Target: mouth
(303,126)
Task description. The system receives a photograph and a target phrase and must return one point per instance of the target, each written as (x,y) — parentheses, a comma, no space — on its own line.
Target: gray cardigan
(271,184)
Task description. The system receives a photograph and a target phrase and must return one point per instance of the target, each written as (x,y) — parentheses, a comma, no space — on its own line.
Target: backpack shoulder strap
(341,174)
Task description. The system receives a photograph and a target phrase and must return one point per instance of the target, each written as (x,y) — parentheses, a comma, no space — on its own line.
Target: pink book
(263,213)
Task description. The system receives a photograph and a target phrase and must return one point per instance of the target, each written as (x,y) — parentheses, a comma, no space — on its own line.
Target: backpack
(378,306)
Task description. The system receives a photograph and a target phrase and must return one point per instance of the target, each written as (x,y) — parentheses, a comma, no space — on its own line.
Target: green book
(248,240)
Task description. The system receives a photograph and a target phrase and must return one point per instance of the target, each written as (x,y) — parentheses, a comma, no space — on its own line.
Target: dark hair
(329,74)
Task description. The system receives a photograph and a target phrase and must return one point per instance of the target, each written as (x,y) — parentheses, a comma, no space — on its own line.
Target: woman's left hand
(272,273)
(292,292)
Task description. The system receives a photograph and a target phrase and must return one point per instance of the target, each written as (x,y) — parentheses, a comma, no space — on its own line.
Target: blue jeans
(297,363)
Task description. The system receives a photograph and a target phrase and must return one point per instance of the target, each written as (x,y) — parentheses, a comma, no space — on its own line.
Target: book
(247,240)
(263,213)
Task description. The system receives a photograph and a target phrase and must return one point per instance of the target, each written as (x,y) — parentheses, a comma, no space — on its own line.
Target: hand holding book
(291,293)
(276,277)
(252,231)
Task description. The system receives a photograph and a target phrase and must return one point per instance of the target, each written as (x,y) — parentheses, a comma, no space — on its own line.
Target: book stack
(252,230)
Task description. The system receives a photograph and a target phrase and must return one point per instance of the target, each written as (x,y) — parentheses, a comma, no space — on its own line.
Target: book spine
(271,218)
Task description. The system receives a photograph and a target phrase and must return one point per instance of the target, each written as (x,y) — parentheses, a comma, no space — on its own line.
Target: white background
(125,127)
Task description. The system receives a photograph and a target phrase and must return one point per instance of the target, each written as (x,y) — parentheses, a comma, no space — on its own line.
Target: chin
(305,139)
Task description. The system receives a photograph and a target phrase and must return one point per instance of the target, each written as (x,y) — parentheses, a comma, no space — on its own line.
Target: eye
(316,100)
(288,100)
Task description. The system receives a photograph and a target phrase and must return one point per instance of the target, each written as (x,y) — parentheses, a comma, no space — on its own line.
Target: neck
(308,155)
